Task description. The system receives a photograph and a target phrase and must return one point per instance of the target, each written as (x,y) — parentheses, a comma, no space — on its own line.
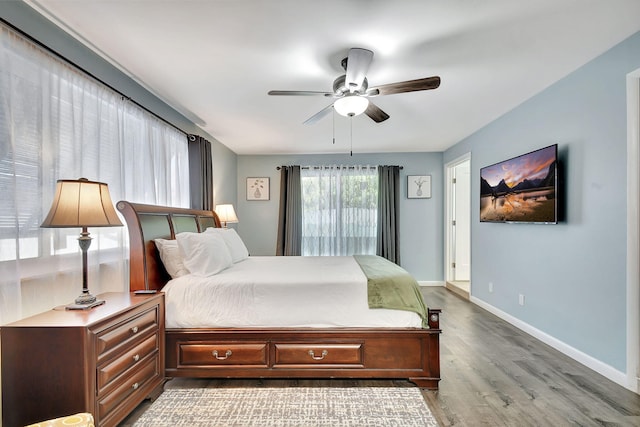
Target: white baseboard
(583,358)
(430,283)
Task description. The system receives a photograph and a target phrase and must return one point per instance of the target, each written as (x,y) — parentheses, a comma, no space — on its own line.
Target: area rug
(294,406)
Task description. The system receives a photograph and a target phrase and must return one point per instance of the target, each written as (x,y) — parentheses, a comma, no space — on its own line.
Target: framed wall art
(418,186)
(258,188)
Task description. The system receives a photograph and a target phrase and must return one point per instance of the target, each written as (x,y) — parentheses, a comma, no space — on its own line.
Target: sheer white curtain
(58,123)
(339,210)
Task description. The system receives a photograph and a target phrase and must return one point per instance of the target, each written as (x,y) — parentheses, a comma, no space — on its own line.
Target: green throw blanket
(390,286)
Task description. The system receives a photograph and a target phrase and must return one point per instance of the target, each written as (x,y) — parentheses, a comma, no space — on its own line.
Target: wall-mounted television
(523,189)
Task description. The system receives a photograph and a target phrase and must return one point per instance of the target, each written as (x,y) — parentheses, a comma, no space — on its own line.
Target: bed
(282,350)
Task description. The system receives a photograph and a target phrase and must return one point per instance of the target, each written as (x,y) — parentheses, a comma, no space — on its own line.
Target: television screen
(522,189)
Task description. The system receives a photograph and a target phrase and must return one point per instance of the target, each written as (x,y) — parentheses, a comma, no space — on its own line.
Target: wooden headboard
(148,222)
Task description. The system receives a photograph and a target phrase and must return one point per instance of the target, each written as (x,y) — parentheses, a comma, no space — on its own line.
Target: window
(339,210)
(59,123)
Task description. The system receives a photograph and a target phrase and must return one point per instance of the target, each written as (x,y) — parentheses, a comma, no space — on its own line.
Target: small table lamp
(82,203)
(226,214)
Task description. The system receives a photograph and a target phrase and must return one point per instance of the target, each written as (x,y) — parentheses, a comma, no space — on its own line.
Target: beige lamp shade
(81,203)
(226,214)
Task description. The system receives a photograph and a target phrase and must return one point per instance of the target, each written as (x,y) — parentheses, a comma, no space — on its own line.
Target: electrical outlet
(521,299)
(490,287)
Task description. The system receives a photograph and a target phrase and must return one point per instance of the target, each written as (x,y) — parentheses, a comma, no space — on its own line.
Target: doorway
(633,231)
(458,226)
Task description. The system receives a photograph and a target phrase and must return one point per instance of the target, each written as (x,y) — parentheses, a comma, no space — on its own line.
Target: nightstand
(104,361)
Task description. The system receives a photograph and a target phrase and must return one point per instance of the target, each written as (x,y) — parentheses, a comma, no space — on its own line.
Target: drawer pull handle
(135,386)
(322,355)
(136,357)
(134,330)
(226,355)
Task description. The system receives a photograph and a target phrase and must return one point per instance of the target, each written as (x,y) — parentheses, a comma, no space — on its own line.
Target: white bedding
(280,292)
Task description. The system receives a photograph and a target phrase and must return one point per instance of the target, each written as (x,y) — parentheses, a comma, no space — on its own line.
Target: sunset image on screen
(522,189)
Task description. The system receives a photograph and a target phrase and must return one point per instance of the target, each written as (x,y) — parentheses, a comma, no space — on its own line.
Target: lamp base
(85,298)
(88,306)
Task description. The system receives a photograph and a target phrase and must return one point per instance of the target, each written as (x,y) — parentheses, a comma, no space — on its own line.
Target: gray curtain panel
(200,173)
(388,203)
(290,217)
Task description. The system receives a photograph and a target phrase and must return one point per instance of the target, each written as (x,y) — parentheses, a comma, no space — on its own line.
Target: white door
(462,222)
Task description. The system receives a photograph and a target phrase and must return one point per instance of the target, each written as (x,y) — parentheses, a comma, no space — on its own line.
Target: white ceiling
(215,61)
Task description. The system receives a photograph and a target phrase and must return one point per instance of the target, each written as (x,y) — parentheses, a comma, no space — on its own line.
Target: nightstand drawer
(318,354)
(110,371)
(130,330)
(212,354)
(149,371)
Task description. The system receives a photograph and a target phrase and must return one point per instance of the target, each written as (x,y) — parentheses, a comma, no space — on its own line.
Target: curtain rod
(73,64)
(328,167)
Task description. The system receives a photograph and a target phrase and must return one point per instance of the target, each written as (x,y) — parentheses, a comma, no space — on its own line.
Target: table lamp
(226,214)
(82,203)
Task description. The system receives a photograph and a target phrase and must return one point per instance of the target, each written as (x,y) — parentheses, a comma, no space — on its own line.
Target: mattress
(274,292)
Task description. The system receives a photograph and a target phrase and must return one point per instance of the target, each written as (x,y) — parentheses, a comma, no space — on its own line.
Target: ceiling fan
(351,90)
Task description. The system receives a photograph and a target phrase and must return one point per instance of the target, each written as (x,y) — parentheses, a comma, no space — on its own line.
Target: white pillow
(236,246)
(171,257)
(204,254)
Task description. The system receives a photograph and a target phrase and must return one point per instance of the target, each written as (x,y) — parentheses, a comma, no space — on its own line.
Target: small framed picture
(258,188)
(418,186)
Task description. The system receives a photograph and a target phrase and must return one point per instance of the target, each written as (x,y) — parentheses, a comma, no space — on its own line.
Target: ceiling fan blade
(299,92)
(408,86)
(320,114)
(375,113)
(358,63)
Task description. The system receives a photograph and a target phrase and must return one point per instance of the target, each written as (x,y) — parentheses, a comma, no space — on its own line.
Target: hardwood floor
(492,375)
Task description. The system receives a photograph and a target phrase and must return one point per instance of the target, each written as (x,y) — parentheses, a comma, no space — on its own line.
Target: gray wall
(572,274)
(421,220)
(225,173)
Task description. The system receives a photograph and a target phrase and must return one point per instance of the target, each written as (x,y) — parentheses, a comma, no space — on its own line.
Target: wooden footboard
(307,353)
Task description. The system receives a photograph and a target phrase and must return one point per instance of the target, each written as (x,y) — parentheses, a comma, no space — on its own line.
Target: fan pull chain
(351,130)
(333,123)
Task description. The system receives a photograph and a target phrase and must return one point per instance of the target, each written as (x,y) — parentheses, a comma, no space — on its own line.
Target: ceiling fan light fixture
(351,105)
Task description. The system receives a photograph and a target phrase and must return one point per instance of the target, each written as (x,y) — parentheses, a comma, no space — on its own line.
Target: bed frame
(358,353)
